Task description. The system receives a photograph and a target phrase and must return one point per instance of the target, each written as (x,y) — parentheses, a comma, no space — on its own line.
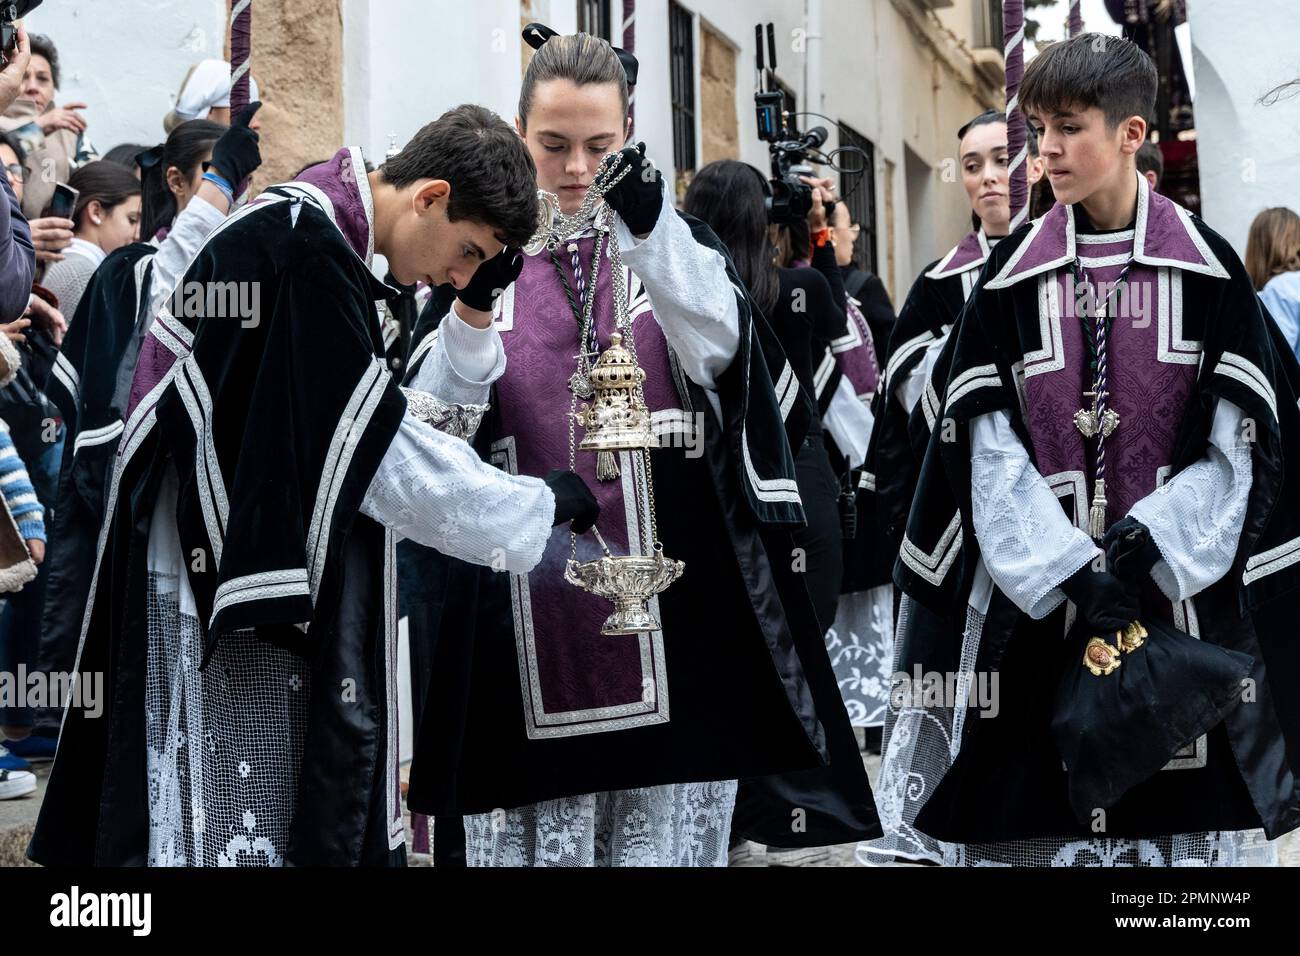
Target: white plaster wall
(1248,153)
(877,79)
(408,61)
(127,60)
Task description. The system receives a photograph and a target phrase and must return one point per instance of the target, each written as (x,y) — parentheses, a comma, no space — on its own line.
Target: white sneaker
(16,783)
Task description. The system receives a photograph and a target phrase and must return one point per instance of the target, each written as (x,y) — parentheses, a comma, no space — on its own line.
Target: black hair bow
(536,35)
(148,158)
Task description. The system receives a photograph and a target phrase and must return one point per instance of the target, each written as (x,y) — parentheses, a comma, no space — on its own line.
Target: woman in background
(1273,261)
(106,218)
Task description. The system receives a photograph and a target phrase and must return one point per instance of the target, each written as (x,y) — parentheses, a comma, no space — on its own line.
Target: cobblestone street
(17,817)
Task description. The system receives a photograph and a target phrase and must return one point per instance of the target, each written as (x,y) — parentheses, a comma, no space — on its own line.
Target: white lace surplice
(861,647)
(225,743)
(685,824)
(674,824)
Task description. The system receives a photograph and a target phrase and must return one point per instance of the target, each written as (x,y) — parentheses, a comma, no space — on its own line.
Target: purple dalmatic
(1148,387)
(856,353)
(574,679)
(1152,367)
(339,186)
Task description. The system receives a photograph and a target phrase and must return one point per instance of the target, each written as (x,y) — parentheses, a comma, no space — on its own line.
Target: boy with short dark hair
(1113,389)
(243,606)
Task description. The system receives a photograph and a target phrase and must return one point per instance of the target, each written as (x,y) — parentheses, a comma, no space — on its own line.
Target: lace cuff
(433,489)
(452,418)
(1196,518)
(1028,544)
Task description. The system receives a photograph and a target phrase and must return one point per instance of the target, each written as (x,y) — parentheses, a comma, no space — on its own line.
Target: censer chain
(600,185)
(562,226)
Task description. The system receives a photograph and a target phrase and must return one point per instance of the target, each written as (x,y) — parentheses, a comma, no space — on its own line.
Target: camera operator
(804,310)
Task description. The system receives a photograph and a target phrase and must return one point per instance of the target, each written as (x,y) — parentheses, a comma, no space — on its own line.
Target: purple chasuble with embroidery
(1151,370)
(574,679)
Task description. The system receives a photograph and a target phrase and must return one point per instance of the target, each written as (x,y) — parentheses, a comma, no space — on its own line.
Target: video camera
(10,12)
(790,199)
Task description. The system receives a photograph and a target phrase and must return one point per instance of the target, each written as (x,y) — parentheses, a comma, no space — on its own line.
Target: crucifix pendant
(1088,422)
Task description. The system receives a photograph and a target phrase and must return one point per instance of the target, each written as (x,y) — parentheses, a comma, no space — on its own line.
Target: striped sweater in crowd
(19,494)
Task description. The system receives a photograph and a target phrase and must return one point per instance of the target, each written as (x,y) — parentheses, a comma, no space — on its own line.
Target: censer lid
(615,368)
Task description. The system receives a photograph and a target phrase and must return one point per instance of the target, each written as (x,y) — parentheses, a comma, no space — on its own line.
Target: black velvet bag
(1128,701)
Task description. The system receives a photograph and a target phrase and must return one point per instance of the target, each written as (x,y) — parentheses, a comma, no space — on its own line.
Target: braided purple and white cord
(1099,387)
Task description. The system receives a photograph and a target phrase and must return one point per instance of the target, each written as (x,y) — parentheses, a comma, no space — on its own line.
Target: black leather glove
(574,501)
(235,155)
(639,196)
(491,278)
(1106,603)
(1130,549)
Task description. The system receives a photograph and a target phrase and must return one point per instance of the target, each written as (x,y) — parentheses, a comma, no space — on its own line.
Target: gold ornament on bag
(1100,658)
(1132,637)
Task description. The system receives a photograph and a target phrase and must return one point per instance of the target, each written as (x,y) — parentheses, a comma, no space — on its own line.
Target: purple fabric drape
(241,44)
(1013,33)
(629,44)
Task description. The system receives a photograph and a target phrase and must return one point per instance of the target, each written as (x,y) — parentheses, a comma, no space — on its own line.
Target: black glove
(639,196)
(1106,603)
(491,278)
(1130,549)
(235,155)
(574,501)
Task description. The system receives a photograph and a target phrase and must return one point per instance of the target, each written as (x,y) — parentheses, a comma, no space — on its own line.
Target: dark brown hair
(1091,69)
(493,179)
(731,198)
(1150,159)
(101,180)
(186,146)
(43,46)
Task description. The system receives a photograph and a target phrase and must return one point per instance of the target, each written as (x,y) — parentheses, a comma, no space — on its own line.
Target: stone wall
(721,132)
(298,62)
